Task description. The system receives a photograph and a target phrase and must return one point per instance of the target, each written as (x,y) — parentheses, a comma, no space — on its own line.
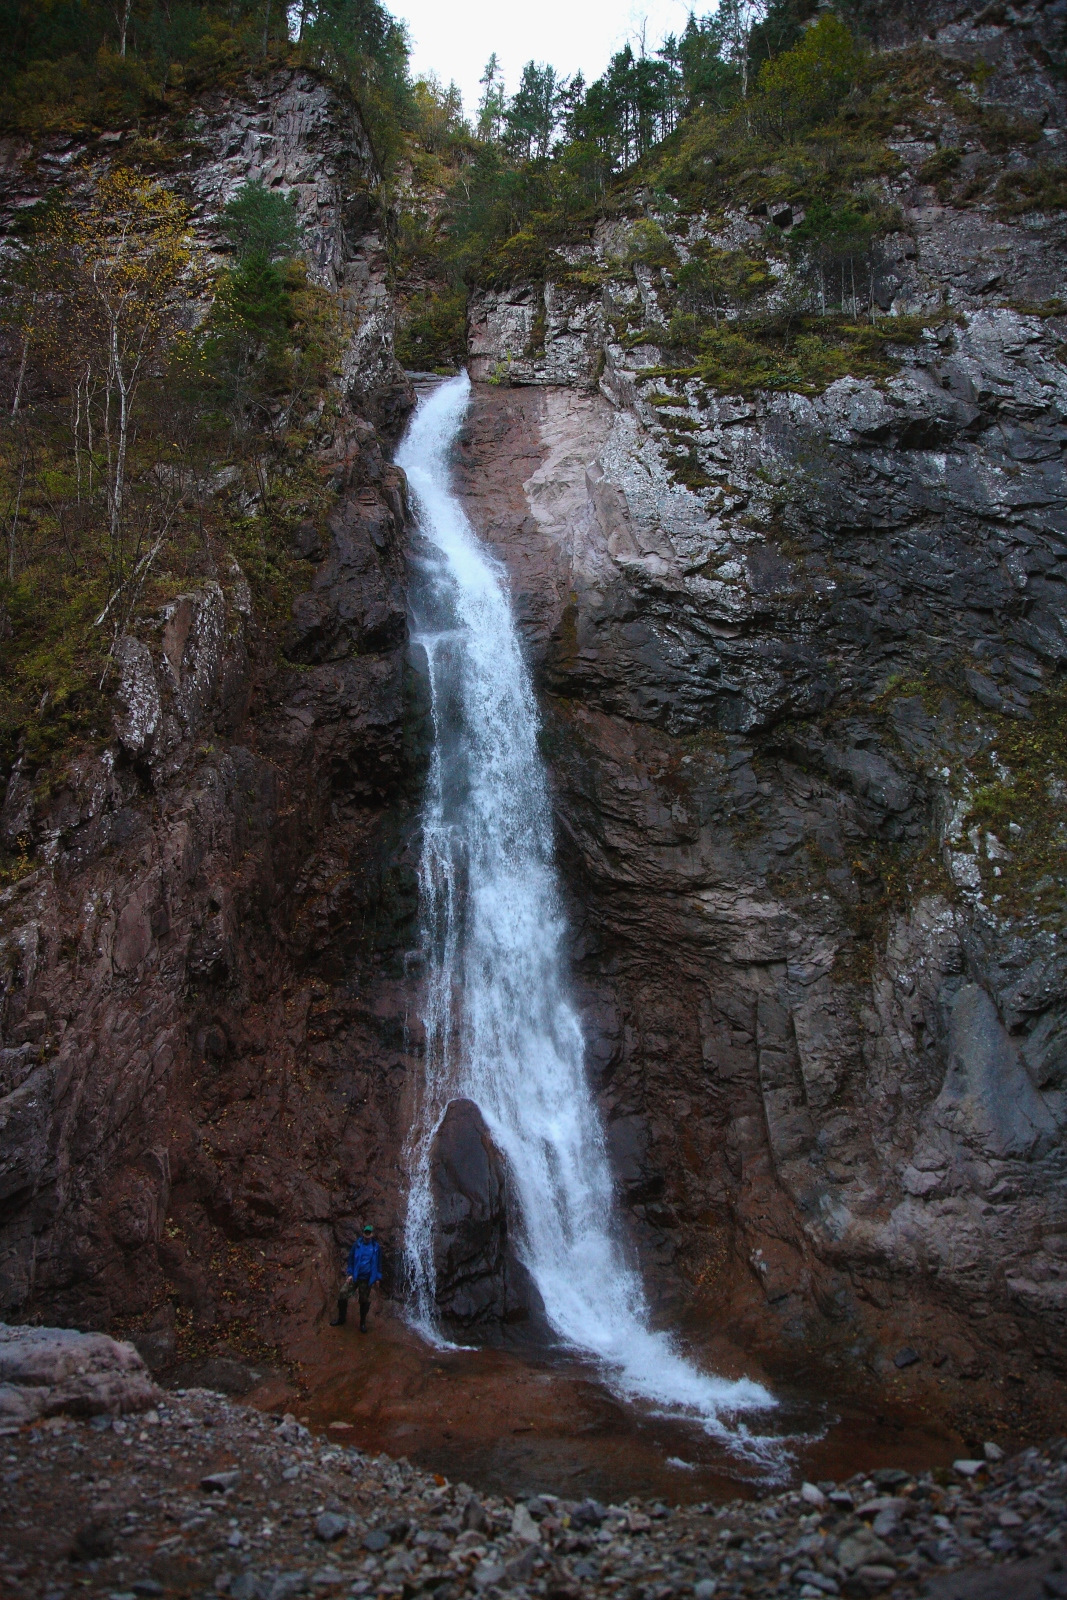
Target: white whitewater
(499,1026)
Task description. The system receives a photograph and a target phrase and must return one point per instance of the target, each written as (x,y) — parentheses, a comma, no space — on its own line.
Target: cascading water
(499,1027)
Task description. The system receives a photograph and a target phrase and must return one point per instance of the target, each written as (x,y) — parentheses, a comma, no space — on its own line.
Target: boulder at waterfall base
(483,1289)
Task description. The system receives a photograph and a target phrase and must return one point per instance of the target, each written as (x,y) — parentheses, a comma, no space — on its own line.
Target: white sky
(455,38)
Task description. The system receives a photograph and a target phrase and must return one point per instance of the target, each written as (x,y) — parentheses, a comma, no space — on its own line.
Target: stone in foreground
(330,1527)
(219,1482)
(45,1372)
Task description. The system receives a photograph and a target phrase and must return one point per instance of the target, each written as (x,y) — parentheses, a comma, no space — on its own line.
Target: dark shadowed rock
(221,1373)
(628,1143)
(1019,1580)
(157,1344)
(329,1527)
(987,1100)
(482,1287)
(94,1541)
(474,1515)
(590,1514)
(219,1482)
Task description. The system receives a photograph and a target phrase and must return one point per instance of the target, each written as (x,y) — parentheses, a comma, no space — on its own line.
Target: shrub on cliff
(714,281)
(806,85)
(831,250)
(253,306)
(246,345)
(270,334)
(95,307)
(86,63)
(106,90)
(118,419)
(93,454)
(260,222)
(432,331)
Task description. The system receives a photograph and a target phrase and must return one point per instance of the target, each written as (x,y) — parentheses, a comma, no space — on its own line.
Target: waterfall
(500,1028)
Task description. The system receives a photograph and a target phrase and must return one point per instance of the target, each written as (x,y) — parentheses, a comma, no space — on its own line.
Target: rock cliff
(202,1010)
(802,660)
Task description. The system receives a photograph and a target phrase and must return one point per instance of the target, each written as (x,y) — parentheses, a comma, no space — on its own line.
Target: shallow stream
(508,1422)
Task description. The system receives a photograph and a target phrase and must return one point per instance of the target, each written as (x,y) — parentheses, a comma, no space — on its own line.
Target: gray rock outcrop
(802,658)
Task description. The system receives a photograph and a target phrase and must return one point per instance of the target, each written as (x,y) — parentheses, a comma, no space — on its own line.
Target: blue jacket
(365,1261)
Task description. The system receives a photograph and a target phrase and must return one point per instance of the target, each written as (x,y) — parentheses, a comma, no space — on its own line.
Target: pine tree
(493,100)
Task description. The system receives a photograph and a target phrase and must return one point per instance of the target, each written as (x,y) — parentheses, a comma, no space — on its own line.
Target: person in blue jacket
(364,1269)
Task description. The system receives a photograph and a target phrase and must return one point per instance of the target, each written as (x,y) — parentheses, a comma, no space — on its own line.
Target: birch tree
(97,302)
(114,306)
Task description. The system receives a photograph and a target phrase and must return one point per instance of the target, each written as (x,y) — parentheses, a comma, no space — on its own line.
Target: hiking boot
(342,1312)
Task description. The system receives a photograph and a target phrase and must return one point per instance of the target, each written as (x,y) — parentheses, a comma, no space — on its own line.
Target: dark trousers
(362,1288)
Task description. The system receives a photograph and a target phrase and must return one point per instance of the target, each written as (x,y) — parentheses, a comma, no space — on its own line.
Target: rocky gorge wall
(202,1008)
(800,658)
(802,661)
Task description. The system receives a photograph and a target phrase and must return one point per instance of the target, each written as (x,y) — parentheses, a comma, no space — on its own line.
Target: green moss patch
(1020,798)
(803,354)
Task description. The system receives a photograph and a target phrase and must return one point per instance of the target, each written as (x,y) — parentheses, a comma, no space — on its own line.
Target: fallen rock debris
(204,1498)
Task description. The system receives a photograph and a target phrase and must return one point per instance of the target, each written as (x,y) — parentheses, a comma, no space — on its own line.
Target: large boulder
(484,1293)
(48,1371)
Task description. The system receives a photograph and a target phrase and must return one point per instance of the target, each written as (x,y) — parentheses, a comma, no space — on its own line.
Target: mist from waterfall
(500,1028)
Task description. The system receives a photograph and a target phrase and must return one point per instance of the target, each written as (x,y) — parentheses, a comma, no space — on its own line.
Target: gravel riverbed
(202,1497)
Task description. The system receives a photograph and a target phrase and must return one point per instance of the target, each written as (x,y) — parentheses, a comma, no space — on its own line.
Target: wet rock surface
(482,1288)
(198,1496)
(814,1088)
(188,969)
(784,642)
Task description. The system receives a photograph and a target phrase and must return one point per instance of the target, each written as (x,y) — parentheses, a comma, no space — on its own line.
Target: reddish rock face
(204,1009)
